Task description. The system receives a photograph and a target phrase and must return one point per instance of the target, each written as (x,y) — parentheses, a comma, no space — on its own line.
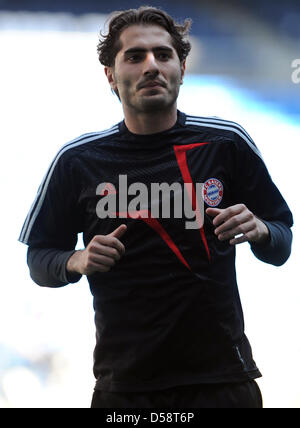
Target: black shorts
(226,395)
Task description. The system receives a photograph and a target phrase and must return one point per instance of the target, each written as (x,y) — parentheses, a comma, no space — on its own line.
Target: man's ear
(109,72)
(183,67)
(110,77)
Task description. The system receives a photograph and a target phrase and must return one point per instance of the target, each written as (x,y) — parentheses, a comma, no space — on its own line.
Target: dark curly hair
(109,45)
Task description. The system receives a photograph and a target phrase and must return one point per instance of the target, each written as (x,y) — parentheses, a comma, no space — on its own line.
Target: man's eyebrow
(138,49)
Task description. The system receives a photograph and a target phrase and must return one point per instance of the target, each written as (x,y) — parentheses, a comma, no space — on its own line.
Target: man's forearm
(73,263)
(48,267)
(278,249)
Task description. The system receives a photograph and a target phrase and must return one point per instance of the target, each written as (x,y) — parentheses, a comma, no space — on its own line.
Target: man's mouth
(152,84)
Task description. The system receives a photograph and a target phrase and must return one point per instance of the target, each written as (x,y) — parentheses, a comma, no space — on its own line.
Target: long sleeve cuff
(278,249)
(48,267)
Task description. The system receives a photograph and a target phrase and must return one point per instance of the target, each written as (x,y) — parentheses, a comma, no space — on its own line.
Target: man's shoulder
(217,124)
(224,128)
(83,140)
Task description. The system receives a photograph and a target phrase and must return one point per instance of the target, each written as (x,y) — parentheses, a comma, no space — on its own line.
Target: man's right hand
(100,255)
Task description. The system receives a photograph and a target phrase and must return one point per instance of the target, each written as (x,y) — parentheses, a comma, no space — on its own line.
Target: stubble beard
(149,104)
(155,103)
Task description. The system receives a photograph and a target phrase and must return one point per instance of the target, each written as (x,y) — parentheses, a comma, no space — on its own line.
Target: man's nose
(150,64)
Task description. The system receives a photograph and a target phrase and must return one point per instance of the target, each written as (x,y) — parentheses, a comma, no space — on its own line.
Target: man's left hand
(238,224)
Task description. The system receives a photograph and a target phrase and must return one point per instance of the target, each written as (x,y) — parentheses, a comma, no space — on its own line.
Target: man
(169,322)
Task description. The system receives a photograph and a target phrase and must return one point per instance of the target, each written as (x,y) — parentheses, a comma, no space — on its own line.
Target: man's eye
(134,58)
(163,56)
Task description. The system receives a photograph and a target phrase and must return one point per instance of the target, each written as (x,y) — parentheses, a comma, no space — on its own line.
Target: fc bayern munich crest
(213,192)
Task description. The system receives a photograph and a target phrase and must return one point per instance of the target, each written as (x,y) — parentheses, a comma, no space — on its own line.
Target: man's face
(147,73)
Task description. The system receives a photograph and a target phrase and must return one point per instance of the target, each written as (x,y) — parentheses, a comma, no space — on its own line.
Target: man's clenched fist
(100,255)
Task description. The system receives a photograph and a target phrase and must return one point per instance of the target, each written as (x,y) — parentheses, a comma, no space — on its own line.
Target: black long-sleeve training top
(168,313)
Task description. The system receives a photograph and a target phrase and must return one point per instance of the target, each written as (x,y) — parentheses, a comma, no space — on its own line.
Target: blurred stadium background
(53,89)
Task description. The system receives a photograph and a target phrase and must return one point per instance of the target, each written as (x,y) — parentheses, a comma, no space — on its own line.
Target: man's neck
(150,123)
